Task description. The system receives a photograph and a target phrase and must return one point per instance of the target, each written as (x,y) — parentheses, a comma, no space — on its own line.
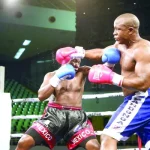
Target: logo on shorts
(84,134)
(128,113)
(116,127)
(43,131)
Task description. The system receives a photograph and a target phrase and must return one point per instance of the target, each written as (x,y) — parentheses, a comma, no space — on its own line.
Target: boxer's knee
(25,143)
(108,142)
(92,144)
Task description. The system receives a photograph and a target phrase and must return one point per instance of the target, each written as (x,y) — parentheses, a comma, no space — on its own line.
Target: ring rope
(106,113)
(83,97)
(20,134)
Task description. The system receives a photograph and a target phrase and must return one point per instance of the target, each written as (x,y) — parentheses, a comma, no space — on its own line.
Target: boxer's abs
(69,99)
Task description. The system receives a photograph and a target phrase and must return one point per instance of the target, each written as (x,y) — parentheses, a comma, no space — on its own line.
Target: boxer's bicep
(45,89)
(46,79)
(142,67)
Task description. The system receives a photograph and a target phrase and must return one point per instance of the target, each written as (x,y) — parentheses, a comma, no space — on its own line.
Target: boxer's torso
(69,92)
(129,60)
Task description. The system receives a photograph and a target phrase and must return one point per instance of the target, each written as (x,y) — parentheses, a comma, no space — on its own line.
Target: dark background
(94,28)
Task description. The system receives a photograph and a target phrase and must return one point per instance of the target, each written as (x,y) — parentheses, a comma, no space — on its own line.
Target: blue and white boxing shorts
(132,116)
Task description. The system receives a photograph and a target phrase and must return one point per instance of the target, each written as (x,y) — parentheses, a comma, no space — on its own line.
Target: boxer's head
(75,63)
(125,27)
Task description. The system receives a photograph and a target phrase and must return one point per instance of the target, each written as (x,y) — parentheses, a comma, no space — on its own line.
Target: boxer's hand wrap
(64,55)
(104,75)
(64,72)
(80,53)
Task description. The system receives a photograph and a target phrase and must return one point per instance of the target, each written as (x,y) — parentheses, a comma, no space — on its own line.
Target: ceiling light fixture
(44,61)
(26,42)
(19,53)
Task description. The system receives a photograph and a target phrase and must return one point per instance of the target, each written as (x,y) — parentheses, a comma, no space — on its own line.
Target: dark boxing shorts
(69,123)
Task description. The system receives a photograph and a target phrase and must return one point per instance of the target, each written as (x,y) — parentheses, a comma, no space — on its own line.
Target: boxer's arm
(46,89)
(136,80)
(95,54)
(64,55)
(84,70)
(141,80)
(66,71)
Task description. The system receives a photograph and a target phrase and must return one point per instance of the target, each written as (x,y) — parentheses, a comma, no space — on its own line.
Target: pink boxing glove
(102,74)
(64,55)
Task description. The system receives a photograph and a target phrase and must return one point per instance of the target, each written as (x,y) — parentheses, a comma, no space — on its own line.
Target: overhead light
(40,61)
(10,3)
(43,61)
(48,61)
(19,53)
(26,42)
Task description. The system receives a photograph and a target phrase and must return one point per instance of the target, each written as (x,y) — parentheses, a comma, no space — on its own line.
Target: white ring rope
(106,113)
(20,134)
(83,97)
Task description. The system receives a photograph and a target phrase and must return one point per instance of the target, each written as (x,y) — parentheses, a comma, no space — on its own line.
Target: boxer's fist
(104,75)
(64,55)
(66,71)
(111,56)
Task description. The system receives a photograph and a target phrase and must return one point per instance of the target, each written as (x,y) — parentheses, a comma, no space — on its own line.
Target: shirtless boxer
(63,118)
(132,116)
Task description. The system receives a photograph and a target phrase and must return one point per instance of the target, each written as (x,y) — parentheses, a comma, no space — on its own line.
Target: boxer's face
(75,63)
(121,32)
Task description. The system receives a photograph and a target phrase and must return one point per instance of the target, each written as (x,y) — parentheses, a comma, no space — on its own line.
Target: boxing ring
(89,114)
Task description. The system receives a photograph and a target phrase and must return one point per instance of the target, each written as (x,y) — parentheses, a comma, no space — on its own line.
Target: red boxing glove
(102,74)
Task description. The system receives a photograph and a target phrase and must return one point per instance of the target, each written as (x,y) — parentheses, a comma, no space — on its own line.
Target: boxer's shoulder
(49,74)
(120,47)
(141,50)
(142,45)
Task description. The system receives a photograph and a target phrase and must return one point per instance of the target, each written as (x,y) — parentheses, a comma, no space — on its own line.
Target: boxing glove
(104,75)
(110,57)
(66,71)
(64,55)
